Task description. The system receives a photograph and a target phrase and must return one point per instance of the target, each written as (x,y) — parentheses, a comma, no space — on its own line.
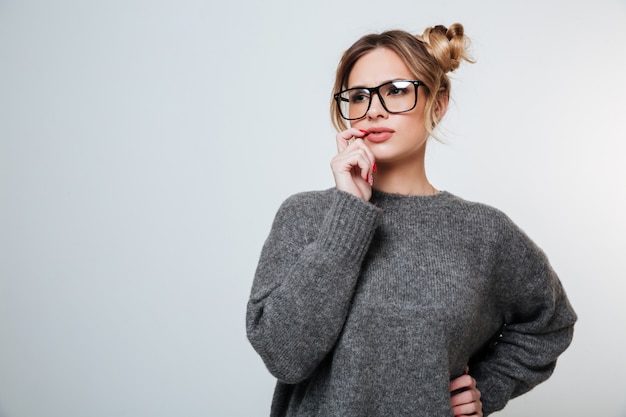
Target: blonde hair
(429,57)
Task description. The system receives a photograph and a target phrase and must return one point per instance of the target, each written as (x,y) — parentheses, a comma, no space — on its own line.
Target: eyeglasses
(396,97)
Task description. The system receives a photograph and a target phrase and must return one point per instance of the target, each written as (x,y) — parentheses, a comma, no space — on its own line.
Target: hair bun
(448,46)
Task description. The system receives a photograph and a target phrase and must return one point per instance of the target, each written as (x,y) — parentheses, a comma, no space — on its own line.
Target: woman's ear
(441,105)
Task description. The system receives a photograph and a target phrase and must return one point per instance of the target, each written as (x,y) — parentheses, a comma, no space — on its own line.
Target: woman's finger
(471,409)
(345,136)
(465,397)
(355,163)
(360,143)
(464,381)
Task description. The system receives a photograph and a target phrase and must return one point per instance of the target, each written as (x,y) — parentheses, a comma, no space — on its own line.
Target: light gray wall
(146,145)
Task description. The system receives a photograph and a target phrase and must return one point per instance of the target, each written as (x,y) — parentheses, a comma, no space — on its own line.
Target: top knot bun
(448,46)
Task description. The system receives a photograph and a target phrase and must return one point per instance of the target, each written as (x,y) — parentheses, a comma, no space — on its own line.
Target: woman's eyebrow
(384,82)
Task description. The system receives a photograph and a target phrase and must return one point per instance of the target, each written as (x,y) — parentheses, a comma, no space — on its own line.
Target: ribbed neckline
(384,198)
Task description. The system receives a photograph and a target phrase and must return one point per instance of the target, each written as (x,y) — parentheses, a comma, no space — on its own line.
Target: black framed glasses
(397,96)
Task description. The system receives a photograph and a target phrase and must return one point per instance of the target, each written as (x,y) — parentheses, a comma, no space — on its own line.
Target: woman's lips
(379,134)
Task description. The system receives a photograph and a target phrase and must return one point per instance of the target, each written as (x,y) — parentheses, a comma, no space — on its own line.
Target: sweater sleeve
(305,280)
(538,323)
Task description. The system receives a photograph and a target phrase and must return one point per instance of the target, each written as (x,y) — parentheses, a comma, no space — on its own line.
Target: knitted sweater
(370,308)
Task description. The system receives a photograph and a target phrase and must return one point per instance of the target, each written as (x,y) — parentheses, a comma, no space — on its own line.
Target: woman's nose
(376,108)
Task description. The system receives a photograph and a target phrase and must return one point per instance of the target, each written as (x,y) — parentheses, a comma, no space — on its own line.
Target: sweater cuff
(349,225)
(495,394)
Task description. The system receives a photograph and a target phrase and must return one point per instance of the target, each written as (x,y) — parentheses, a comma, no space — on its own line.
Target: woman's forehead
(377,67)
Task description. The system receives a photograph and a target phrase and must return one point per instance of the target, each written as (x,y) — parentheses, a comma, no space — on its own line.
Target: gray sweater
(369,309)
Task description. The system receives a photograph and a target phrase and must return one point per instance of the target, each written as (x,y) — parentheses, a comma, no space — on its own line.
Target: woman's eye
(358,97)
(394,91)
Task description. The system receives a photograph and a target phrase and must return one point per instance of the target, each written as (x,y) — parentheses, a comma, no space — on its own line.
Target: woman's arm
(538,325)
(305,280)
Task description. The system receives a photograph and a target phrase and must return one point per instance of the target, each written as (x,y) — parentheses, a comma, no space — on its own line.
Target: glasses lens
(354,103)
(399,96)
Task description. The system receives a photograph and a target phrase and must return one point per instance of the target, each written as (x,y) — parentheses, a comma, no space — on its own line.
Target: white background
(146,145)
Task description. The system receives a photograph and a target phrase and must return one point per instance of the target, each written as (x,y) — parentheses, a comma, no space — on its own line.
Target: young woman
(384,296)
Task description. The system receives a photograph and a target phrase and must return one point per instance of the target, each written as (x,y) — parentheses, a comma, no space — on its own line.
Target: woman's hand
(465,402)
(353,166)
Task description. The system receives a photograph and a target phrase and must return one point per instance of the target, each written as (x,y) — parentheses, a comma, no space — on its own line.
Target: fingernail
(374,168)
(371,180)
(363,131)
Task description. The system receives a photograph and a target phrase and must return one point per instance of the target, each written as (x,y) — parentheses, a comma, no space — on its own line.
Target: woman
(378,296)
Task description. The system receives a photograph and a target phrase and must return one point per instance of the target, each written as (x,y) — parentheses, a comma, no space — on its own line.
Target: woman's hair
(429,57)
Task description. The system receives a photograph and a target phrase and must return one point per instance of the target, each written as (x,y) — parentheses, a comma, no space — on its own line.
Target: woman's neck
(407,179)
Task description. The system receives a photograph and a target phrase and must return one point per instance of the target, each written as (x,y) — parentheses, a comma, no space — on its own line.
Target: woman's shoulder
(307,198)
(470,207)
(495,222)
(487,216)
(306,204)
(308,201)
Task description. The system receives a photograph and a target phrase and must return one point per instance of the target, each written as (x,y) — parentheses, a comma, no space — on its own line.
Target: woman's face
(404,135)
